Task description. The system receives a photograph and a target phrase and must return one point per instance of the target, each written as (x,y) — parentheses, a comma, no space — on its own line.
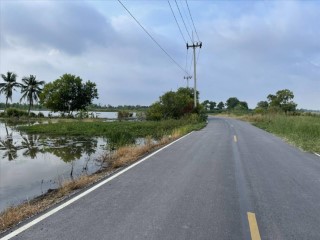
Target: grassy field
(301,131)
(136,129)
(118,133)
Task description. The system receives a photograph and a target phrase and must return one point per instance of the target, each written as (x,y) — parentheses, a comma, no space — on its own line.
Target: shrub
(13,112)
(40,115)
(33,115)
(122,115)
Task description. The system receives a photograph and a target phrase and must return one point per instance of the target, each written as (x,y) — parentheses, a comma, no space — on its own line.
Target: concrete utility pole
(194,46)
(187,77)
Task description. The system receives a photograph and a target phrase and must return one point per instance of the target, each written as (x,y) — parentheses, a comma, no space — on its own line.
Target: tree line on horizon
(281,101)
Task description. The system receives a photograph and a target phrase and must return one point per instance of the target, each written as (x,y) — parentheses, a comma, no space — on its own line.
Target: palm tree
(30,88)
(8,86)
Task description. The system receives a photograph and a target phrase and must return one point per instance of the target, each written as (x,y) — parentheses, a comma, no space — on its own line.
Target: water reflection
(31,144)
(66,148)
(31,164)
(70,149)
(9,149)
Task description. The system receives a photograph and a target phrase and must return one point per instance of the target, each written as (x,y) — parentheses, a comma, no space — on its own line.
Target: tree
(220,105)
(174,105)
(232,103)
(30,89)
(206,104)
(243,105)
(8,86)
(282,100)
(209,105)
(212,105)
(263,105)
(68,94)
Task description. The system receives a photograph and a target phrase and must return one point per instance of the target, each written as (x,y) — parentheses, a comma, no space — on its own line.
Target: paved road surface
(202,187)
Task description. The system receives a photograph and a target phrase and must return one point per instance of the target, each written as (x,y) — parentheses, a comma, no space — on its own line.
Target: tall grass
(113,129)
(302,131)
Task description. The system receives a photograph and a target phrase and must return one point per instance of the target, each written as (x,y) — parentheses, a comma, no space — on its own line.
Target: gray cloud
(251,55)
(68,26)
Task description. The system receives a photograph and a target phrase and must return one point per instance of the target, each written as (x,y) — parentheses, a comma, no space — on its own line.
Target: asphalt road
(202,187)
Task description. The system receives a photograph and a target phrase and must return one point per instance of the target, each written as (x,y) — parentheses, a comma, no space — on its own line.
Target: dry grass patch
(129,154)
(13,215)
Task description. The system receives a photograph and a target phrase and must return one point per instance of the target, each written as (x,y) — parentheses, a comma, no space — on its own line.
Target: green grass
(301,131)
(112,129)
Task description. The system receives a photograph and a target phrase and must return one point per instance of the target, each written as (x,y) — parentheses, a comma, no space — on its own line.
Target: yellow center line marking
(235,138)
(254,230)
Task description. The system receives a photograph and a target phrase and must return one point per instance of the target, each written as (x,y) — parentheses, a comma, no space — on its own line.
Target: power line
(177,22)
(185,14)
(152,38)
(183,21)
(192,20)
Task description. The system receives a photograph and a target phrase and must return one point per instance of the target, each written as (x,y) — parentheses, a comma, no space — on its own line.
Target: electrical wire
(177,22)
(184,11)
(183,21)
(192,20)
(152,38)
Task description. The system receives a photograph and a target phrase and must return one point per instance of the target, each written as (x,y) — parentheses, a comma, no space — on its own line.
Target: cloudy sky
(250,48)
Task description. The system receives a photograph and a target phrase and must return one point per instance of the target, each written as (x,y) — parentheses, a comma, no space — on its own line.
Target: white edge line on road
(317,154)
(53,211)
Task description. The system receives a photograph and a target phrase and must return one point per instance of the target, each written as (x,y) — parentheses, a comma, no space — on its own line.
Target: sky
(249,48)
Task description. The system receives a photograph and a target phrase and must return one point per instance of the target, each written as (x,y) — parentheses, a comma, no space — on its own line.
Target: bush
(117,139)
(33,115)
(13,112)
(175,105)
(122,115)
(40,115)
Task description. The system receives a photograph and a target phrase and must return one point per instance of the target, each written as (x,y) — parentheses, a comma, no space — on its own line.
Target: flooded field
(30,164)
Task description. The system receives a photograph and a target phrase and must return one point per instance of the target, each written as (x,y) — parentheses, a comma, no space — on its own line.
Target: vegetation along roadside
(301,131)
(277,114)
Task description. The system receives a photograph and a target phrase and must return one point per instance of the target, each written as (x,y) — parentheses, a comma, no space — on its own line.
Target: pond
(32,164)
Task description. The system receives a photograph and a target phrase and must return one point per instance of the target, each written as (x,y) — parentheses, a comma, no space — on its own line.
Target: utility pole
(187,77)
(194,46)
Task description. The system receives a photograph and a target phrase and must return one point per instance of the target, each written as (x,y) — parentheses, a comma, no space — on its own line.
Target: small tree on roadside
(174,105)
(263,105)
(30,89)
(232,102)
(282,100)
(10,83)
(220,105)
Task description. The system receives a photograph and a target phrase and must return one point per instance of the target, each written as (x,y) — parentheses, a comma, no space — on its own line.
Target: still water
(109,115)
(32,164)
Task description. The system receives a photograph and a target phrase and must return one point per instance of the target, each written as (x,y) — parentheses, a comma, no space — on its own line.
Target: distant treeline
(23,106)
(117,108)
(92,107)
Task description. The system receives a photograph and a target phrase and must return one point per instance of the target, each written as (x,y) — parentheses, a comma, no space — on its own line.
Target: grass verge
(121,157)
(301,131)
